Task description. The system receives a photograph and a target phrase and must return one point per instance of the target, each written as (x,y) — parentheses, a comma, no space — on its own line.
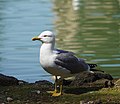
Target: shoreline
(76,92)
(92,92)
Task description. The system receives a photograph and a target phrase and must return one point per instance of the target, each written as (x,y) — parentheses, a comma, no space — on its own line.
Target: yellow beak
(35,38)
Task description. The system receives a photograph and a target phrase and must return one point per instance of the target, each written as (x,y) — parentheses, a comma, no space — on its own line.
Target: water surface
(89,28)
(20,20)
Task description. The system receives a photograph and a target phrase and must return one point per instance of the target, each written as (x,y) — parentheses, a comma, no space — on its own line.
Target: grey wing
(58,51)
(71,63)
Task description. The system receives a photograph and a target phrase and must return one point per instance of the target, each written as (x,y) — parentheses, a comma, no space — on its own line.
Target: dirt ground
(36,93)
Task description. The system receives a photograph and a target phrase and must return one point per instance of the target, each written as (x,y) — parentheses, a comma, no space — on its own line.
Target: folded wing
(70,62)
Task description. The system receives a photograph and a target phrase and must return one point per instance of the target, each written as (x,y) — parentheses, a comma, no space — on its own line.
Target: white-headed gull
(59,62)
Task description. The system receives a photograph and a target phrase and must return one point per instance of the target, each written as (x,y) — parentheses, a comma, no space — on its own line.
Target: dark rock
(109,84)
(43,82)
(103,75)
(106,84)
(8,80)
(86,77)
(66,82)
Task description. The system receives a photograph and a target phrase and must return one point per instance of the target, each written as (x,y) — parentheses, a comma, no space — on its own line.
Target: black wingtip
(92,68)
(92,65)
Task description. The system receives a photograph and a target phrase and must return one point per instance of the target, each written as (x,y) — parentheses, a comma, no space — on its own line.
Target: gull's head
(45,37)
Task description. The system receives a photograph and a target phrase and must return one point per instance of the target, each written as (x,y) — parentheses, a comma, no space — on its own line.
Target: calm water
(91,29)
(20,20)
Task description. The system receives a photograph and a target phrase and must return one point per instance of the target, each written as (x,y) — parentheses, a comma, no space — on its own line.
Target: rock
(86,77)
(9,99)
(66,82)
(21,82)
(7,80)
(90,102)
(38,91)
(82,102)
(44,82)
(109,84)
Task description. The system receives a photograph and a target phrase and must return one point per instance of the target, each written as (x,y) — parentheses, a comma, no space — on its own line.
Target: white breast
(47,58)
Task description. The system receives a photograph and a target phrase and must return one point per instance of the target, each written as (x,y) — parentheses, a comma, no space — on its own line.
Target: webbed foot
(57,94)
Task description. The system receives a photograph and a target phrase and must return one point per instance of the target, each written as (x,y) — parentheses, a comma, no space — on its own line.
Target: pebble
(38,92)
(82,102)
(9,99)
(90,102)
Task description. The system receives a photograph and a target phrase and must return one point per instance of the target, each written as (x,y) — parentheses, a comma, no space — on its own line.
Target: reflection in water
(91,29)
(66,24)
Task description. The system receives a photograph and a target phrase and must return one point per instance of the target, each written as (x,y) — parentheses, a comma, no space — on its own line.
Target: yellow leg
(55,91)
(61,88)
(59,93)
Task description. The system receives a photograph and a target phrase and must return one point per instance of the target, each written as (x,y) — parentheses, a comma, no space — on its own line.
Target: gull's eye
(45,35)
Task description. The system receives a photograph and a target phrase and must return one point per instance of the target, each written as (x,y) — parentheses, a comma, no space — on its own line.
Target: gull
(59,62)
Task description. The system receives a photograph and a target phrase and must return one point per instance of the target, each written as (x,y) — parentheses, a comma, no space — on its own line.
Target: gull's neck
(47,48)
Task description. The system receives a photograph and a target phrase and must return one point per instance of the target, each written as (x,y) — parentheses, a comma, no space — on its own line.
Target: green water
(91,29)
